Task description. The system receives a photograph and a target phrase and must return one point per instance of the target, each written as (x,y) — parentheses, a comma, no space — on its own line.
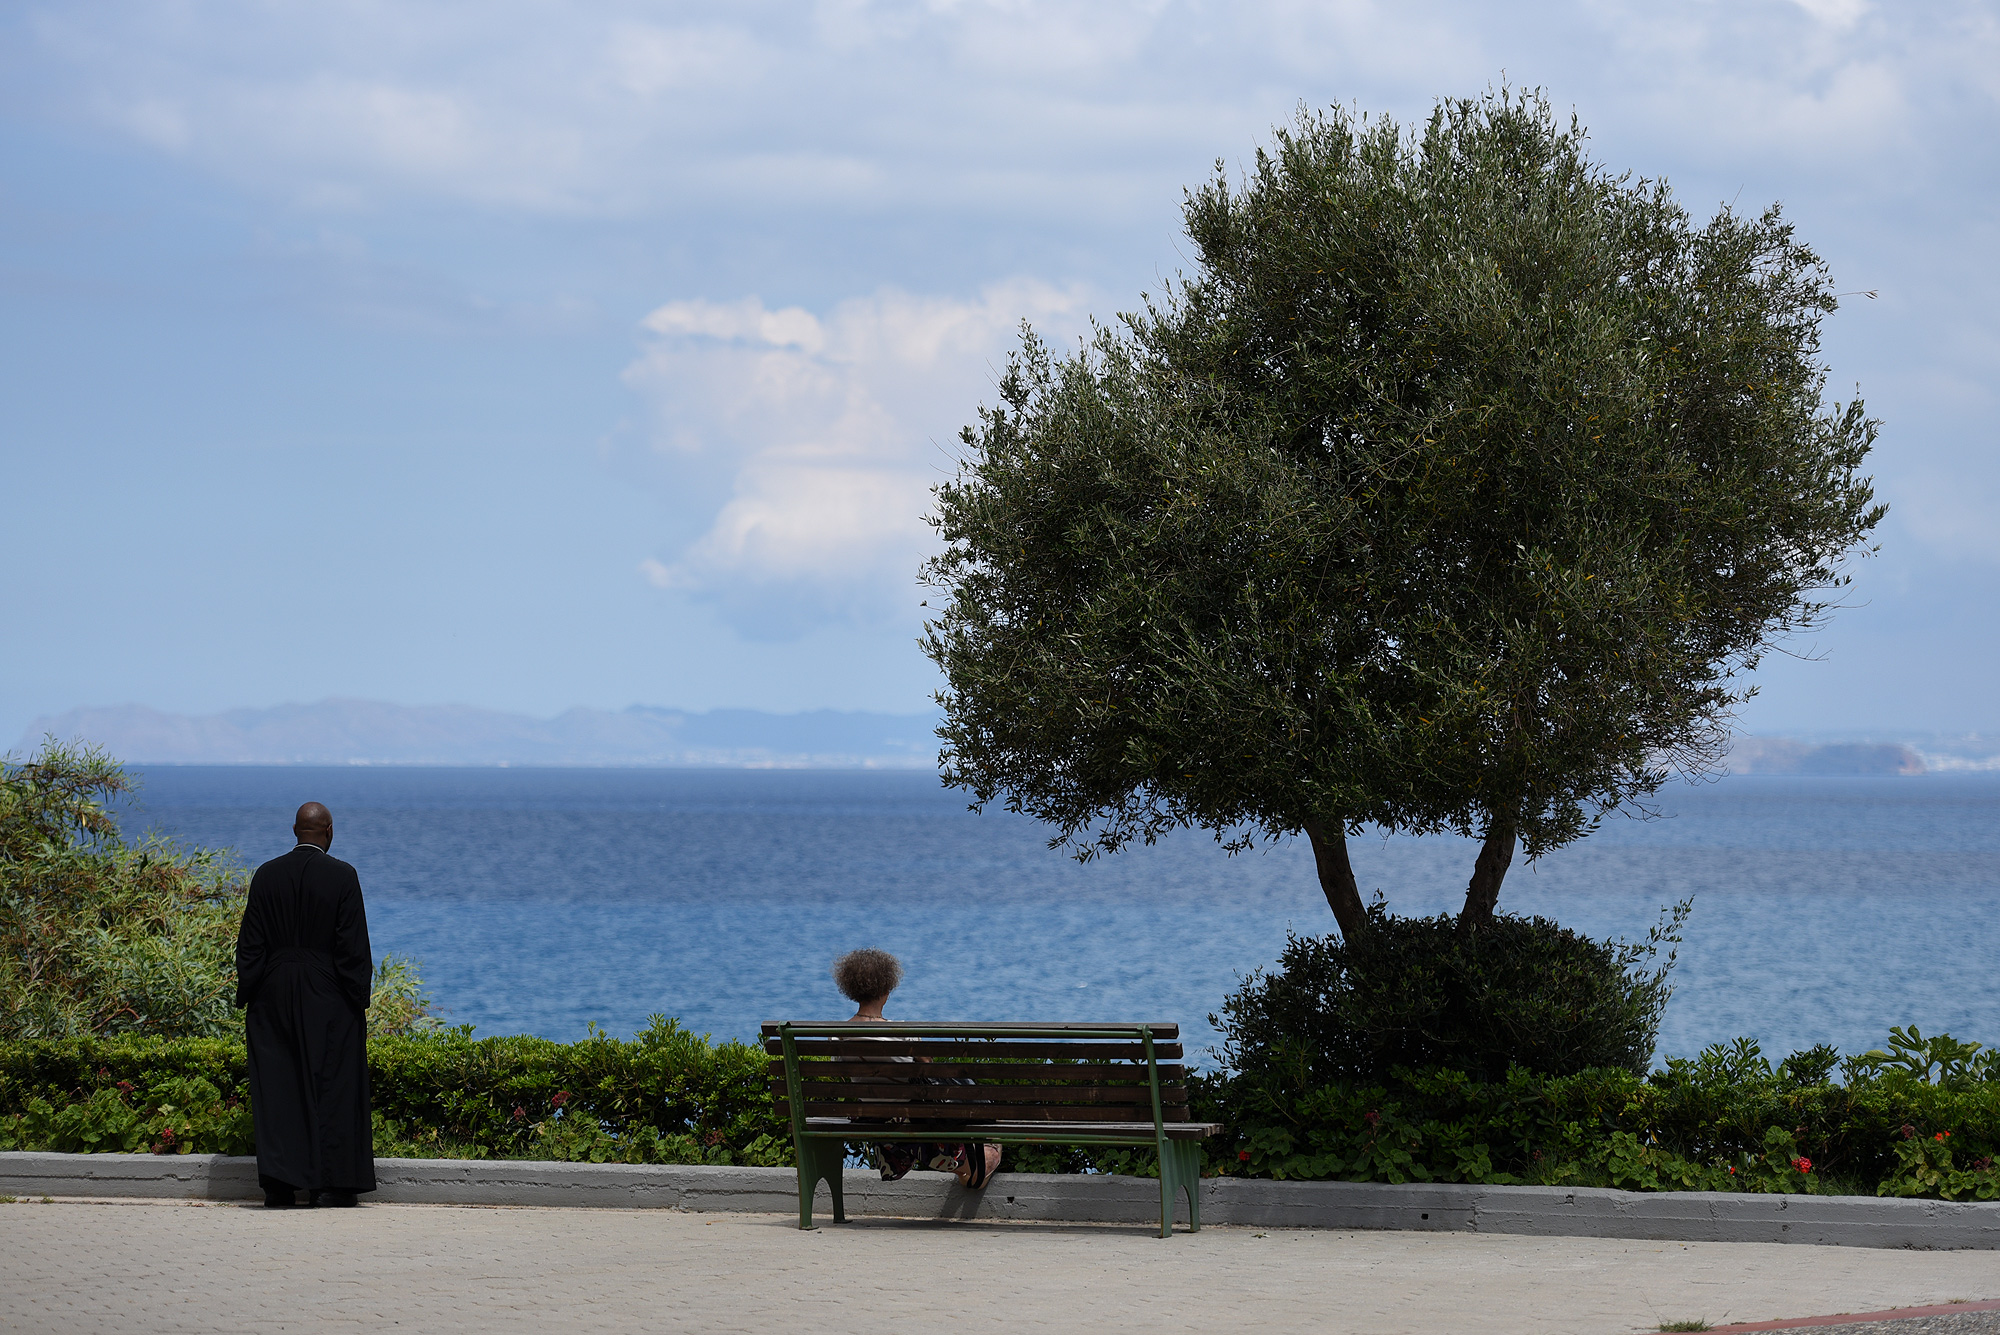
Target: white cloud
(649,60)
(994,136)
(1835,13)
(832,431)
(740,321)
(884,105)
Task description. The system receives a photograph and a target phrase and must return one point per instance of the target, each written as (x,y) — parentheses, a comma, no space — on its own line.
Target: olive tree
(1455,489)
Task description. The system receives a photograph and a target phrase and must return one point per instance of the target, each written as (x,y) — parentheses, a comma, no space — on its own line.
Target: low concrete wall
(1590,1212)
(1851,1221)
(210,1177)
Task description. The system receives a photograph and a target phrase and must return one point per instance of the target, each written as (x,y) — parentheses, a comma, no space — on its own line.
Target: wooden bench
(1004,1084)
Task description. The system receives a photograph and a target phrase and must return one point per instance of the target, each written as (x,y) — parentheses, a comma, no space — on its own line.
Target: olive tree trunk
(1336,878)
(1495,855)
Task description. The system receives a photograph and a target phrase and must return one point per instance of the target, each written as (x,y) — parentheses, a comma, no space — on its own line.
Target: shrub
(398,1003)
(97,935)
(125,1093)
(1726,1120)
(1420,993)
(665,1096)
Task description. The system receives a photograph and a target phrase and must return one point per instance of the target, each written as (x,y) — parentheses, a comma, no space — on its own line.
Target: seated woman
(867,977)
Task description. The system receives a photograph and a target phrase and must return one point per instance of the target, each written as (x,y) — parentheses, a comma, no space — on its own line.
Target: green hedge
(1921,1119)
(664,1096)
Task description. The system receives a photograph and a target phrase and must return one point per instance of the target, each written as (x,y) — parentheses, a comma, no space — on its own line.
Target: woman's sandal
(896,1161)
(976,1165)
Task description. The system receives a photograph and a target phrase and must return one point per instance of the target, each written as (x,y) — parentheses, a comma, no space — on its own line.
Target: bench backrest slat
(938,1049)
(1024,1072)
(862,1095)
(922,1114)
(1086,1073)
(1001,1083)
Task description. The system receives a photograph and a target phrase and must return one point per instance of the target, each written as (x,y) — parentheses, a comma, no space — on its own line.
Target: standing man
(303,969)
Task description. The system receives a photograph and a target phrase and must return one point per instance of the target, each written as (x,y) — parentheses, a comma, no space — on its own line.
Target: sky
(532,355)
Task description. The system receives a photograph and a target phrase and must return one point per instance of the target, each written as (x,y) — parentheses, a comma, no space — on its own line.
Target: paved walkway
(154,1266)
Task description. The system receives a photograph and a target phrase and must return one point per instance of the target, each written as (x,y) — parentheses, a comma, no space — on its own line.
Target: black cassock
(303,969)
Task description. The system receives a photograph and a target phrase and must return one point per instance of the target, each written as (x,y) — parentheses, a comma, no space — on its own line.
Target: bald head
(313,825)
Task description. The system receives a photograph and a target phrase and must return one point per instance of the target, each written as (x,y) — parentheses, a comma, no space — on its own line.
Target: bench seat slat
(827,1091)
(1161,1029)
(941,1049)
(1123,1096)
(925,1113)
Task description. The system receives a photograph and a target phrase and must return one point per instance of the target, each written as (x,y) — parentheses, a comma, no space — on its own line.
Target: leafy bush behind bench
(1920,1119)
(1423,993)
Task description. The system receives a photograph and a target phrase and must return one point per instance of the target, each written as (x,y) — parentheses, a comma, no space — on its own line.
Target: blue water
(540,901)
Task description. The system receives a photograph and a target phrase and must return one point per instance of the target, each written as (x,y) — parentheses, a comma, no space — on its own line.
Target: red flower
(104,1073)
(1372,1118)
(166,1135)
(1732,1172)
(124,1086)
(1803,1164)
(562,1097)
(1908,1131)
(520,1113)
(1244,1155)
(1941,1135)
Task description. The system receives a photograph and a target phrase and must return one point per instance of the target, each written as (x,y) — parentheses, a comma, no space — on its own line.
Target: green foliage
(127,1093)
(665,1096)
(1925,1167)
(1420,993)
(1940,1078)
(1726,1120)
(97,935)
(1914,1059)
(1451,492)
(398,1001)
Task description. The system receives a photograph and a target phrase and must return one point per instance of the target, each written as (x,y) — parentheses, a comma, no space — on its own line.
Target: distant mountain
(367,732)
(1782,755)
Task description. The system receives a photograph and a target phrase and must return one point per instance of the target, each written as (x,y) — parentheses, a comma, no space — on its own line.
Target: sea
(549,901)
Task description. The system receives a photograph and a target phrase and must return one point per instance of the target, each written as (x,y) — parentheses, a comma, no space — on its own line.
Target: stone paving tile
(170,1267)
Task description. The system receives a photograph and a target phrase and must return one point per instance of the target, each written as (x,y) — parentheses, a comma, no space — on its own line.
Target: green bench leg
(1180,1171)
(821,1161)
